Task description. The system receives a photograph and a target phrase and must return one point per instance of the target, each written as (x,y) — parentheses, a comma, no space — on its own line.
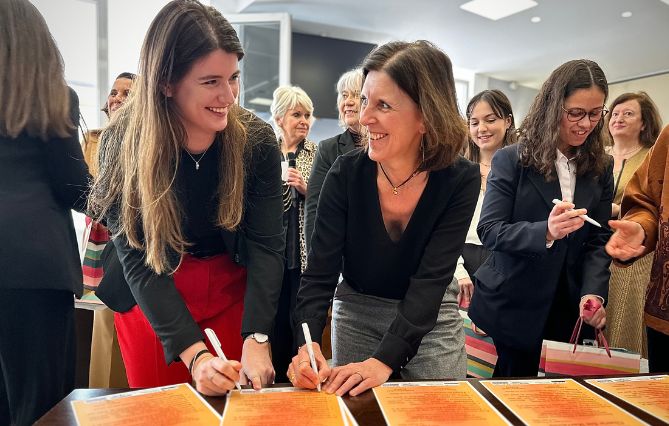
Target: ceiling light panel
(496,9)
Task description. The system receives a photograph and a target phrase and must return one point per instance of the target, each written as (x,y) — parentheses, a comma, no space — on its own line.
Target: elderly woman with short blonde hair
(292,114)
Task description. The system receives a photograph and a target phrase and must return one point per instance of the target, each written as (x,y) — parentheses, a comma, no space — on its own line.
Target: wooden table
(363,407)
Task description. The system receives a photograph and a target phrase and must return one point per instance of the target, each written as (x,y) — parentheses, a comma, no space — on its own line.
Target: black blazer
(258,244)
(40,182)
(328,151)
(516,284)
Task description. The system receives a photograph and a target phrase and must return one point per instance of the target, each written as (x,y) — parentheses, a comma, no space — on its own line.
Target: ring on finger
(303,361)
(358,373)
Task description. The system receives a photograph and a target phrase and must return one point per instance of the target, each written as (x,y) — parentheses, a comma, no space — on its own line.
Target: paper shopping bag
(572,359)
(560,359)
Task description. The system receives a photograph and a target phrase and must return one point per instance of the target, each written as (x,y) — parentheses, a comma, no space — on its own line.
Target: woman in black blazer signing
(546,261)
(42,177)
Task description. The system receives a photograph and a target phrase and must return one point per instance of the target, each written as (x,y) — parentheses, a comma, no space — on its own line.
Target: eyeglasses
(577,114)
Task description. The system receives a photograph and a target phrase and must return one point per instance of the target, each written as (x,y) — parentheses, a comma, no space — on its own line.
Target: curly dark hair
(540,132)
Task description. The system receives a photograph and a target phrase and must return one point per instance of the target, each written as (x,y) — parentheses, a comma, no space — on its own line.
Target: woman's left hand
(596,318)
(294,179)
(357,377)
(257,369)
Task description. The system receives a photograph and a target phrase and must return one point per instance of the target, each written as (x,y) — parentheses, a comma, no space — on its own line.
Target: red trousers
(213,290)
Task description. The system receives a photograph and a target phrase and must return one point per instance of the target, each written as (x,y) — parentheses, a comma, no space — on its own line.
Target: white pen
(310,351)
(217,347)
(584,216)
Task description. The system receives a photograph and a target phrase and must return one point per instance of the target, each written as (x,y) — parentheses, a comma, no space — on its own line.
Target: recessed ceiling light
(495,9)
(626,14)
(535,19)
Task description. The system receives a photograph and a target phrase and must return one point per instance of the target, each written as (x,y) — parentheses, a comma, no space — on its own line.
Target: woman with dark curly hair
(546,261)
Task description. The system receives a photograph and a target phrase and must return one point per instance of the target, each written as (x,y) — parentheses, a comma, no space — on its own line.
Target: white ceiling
(511,48)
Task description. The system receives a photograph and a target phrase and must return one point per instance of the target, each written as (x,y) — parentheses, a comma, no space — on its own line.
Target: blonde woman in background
(634,125)
(42,176)
(293,114)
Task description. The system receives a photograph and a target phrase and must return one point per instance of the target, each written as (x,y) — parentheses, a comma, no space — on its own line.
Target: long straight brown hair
(34,94)
(142,146)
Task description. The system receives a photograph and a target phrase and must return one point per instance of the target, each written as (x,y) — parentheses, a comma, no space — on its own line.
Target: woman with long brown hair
(546,263)
(190,186)
(42,177)
(490,121)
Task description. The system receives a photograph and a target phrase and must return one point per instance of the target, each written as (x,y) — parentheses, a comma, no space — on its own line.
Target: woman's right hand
(562,221)
(627,242)
(213,376)
(300,373)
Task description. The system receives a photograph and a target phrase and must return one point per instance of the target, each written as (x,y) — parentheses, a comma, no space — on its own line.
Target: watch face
(259,337)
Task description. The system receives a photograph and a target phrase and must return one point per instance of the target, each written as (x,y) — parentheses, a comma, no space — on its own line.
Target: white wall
(657,88)
(128,21)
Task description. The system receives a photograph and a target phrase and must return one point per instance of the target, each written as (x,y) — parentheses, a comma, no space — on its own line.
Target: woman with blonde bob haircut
(392,219)
(293,114)
(194,204)
(42,177)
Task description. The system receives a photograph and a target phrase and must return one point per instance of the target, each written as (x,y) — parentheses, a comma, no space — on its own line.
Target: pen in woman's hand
(217,347)
(310,351)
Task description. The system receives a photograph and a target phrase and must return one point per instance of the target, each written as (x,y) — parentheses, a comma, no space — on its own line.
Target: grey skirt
(359,322)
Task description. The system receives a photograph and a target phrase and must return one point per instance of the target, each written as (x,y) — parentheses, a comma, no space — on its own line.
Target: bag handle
(589,310)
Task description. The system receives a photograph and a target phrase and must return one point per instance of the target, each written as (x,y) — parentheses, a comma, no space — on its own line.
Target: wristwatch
(258,337)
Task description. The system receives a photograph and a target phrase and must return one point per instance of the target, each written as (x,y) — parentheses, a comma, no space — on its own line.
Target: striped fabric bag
(481,353)
(95,240)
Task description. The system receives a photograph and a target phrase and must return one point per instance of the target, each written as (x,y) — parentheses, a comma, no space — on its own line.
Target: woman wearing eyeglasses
(634,125)
(546,262)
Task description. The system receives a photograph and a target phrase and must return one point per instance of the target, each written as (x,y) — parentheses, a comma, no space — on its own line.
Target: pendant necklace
(395,188)
(197,162)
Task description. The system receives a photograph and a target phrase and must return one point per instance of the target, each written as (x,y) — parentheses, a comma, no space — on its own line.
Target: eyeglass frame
(599,115)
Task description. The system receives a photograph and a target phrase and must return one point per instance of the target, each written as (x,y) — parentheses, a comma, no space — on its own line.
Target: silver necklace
(197,162)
